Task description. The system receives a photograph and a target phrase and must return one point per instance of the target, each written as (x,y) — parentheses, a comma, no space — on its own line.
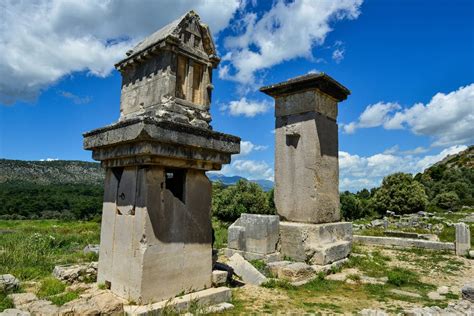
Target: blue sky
(409,65)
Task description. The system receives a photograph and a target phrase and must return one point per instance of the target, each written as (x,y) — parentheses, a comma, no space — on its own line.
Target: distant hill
(462,159)
(265,184)
(453,175)
(78,172)
(51,172)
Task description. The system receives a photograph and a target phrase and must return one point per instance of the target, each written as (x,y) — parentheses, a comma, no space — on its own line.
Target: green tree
(446,200)
(243,197)
(401,194)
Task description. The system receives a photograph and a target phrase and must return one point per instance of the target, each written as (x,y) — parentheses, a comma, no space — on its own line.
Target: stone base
(203,299)
(271,257)
(316,244)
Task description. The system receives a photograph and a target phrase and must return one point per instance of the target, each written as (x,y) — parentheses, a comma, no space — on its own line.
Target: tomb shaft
(156,235)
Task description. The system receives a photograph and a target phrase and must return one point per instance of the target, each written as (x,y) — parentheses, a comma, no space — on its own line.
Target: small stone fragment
(219,277)
(8,283)
(467,292)
(14,312)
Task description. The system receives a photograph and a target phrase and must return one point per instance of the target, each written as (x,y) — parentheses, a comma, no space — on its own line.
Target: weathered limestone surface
(174,87)
(463,239)
(316,243)
(403,242)
(306,148)
(207,297)
(156,229)
(245,270)
(254,233)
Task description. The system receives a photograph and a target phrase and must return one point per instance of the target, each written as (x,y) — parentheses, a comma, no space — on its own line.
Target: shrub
(446,200)
(401,194)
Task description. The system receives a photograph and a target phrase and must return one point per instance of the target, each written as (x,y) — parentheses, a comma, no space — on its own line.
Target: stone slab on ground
(14,312)
(296,272)
(91,248)
(76,272)
(246,270)
(274,267)
(208,297)
(19,299)
(8,283)
(467,291)
(403,242)
(271,257)
(435,296)
(219,308)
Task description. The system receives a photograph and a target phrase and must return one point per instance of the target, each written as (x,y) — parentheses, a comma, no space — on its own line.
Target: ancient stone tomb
(156,229)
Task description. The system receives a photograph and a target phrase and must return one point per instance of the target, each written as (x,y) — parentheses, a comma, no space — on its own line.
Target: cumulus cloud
(358,172)
(248,108)
(288,30)
(448,118)
(374,115)
(246,147)
(250,169)
(44,40)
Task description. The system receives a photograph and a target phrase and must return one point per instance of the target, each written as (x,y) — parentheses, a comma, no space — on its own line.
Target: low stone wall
(403,242)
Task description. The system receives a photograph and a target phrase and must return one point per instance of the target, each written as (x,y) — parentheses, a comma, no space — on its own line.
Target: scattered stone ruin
(156,229)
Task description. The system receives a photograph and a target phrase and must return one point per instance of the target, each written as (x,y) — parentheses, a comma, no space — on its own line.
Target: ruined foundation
(156,230)
(307,169)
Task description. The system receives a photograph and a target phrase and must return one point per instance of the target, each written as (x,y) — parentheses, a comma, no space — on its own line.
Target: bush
(446,200)
(400,277)
(401,194)
(243,197)
(354,207)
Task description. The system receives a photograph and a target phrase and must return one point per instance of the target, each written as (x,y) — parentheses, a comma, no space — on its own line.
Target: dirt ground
(433,269)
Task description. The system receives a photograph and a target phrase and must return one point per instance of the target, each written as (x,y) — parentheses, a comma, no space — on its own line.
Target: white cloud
(42,41)
(358,172)
(374,115)
(338,55)
(49,159)
(248,108)
(448,118)
(288,30)
(250,169)
(75,98)
(246,147)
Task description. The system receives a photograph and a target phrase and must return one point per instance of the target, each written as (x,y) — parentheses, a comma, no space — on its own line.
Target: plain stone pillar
(463,239)
(306,148)
(307,169)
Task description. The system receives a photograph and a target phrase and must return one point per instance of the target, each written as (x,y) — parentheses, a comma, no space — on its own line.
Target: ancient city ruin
(156,228)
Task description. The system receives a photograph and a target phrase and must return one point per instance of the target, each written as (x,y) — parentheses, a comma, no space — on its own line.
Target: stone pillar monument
(156,227)
(307,169)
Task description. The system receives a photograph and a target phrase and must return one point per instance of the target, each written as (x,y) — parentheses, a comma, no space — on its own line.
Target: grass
(278,284)
(49,287)
(220,233)
(31,249)
(400,277)
(5,302)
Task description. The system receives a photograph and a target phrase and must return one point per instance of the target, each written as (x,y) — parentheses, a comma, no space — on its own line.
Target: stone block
(208,297)
(295,272)
(8,283)
(275,267)
(315,243)
(219,277)
(254,233)
(245,270)
(463,239)
(467,292)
